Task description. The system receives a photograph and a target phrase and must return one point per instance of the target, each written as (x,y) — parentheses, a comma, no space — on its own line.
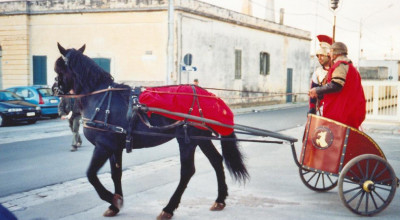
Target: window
(26,93)
(103,63)
(238,64)
(39,70)
(45,92)
(264,63)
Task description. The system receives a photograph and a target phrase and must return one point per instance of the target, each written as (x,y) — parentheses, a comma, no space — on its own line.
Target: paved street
(275,190)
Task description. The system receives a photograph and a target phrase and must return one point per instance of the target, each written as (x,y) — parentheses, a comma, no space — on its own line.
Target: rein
(180,93)
(93,93)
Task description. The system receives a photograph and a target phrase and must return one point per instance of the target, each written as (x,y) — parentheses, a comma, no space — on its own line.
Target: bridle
(66,57)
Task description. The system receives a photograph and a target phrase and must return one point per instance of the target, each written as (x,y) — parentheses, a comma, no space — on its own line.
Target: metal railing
(383,100)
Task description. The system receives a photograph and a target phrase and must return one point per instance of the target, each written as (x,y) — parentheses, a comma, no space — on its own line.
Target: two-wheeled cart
(336,154)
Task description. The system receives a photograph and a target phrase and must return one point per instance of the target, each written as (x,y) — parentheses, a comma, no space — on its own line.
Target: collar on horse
(104,125)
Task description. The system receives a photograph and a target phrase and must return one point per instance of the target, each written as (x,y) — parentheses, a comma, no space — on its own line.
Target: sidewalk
(382,127)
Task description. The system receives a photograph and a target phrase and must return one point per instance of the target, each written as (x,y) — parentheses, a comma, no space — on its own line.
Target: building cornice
(40,7)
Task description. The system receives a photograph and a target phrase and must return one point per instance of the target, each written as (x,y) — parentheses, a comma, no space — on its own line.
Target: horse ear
(82,48)
(62,50)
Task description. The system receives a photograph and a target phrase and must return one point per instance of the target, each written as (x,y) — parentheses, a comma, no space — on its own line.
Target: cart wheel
(319,182)
(367,184)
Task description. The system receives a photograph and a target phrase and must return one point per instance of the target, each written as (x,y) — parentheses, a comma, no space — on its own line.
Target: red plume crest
(325,38)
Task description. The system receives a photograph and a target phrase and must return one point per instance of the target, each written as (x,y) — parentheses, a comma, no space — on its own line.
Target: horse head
(65,79)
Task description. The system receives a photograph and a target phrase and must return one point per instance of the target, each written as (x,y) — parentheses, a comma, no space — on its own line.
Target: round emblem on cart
(322,138)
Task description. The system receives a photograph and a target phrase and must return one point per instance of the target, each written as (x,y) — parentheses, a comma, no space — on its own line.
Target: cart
(336,154)
(332,154)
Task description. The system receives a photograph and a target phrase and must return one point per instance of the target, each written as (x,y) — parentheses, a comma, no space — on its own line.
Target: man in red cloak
(344,99)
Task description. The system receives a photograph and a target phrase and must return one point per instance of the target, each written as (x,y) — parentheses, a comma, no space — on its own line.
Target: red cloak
(348,105)
(179,98)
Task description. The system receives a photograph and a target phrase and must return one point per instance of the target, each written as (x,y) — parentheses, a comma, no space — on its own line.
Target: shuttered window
(264,63)
(103,63)
(39,70)
(238,64)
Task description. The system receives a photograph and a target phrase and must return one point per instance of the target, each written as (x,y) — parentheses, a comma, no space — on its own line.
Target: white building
(380,69)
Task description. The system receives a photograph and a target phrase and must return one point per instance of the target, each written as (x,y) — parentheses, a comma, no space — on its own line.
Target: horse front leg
(116,176)
(99,157)
(187,171)
(215,158)
(116,171)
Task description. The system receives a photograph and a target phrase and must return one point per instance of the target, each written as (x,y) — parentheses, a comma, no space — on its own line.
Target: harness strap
(98,106)
(203,125)
(166,127)
(101,126)
(130,117)
(195,98)
(198,103)
(108,107)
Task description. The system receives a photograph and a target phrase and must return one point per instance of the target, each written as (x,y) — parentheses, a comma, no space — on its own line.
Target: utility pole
(170,49)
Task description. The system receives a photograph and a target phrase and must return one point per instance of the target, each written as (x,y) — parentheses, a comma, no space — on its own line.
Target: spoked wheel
(367,184)
(319,182)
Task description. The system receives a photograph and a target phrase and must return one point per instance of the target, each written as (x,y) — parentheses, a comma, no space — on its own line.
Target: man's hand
(63,117)
(312,93)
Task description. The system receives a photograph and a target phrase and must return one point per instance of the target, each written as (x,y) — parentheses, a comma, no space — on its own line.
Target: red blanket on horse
(181,98)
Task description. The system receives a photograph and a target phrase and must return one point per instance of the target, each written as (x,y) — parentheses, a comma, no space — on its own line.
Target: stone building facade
(131,39)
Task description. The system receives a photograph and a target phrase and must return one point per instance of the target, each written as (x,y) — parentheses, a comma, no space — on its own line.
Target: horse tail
(234,160)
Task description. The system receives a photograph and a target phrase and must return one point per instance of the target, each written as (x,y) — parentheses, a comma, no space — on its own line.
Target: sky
(379,21)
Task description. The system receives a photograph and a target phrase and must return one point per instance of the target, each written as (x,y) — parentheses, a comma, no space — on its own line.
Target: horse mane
(87,75)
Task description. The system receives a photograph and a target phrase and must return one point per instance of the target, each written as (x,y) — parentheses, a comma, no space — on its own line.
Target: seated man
(344,99)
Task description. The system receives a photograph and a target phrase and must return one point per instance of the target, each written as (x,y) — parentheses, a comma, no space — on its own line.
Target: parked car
(41,96)
(13,108)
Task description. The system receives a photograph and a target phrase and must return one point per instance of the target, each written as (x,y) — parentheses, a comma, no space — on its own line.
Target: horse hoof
(118,201)
(217,206)
(164,216)
(110,213)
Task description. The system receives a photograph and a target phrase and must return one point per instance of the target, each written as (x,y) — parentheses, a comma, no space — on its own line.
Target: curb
(268,107)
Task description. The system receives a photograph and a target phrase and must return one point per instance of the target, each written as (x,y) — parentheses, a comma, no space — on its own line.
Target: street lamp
(334,6)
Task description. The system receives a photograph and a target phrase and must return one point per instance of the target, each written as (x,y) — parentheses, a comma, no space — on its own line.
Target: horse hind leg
(216,159)
(187,171)
(99,157)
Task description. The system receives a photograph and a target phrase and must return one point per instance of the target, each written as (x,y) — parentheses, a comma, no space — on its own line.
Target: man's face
(323,60)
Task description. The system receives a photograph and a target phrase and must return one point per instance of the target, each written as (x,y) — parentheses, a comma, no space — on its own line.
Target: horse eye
(56,79)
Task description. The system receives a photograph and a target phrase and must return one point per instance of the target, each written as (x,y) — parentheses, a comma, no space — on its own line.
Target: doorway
(289,84)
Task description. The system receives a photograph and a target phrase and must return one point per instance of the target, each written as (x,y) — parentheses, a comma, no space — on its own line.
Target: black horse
(80,76)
